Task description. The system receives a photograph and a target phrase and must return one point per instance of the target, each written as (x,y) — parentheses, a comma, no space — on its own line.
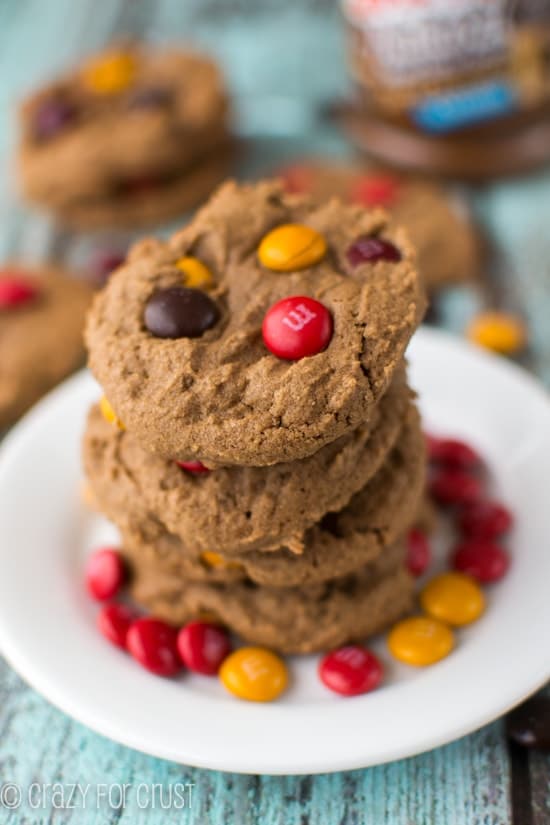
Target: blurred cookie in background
(42,312)
(134,136)
(448,244)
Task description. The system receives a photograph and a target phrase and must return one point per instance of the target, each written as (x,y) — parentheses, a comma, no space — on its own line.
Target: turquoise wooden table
(284,60)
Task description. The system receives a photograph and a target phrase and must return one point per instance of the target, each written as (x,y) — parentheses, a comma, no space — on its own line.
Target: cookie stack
(259,450)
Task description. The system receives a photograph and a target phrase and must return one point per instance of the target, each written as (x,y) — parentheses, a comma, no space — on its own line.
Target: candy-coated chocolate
(420,641)
(105,573)
(351,670)
(255,674)
(369,249)
(529,724)
(196,273)
(52,117)
(113,622)
(499,332)
(16,290)
(203,647)
(109,414)
(212,559)
(180,312)
(419,553)
(154,644)
(297,327)
(453,487)
(112,74)
(453,598)
(297,178)
(375,190)
(485,520)
(196,468)
(106,261)
(290,247)
(481,559)
(453,454)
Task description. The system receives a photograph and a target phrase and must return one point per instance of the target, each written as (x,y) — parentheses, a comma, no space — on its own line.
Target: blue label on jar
(452,110)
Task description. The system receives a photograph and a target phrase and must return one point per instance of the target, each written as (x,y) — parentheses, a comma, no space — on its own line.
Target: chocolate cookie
(340,543)
(290,620)
(268,327)
(41,321)
(447,243)
(133,136)
(236,509)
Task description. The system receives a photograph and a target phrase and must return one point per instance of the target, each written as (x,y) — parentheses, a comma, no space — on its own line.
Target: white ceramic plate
(47,629)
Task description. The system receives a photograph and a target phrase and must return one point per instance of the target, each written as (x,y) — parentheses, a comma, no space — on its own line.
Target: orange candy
(453,598)
(498,331)
(255,674)
(111,74)
(291,246)
(196,274)
(212,559)
(420,641)
(109,414)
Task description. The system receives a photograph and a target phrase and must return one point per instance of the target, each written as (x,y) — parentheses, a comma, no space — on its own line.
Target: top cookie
(129,119)
(228,371)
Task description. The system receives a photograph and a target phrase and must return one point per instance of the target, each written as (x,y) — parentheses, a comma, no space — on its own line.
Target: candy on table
(453,454)
(419,552)
(291,246)
(369,249)
(109,414)
(529,724)
(53,116)
(111,73)
(203,647)
(485,520)
(455,487)
(196,468)
(154,644)
(105,573)
(420,641)
(376,189)
(113,622)
(16,290)
(196,273)
(213,559)
(453,598)
(351,670)
(499,332)
(180,312)
(296,327)
(255,674)
(481,559)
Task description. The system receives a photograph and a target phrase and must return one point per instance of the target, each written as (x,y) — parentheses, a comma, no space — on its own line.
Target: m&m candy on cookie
(291,247)
(297,327)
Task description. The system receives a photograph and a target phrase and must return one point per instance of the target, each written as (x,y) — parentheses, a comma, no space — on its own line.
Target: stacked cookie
(134,136)
(265,458)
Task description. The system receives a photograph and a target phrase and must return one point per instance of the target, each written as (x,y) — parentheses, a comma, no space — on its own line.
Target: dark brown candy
(180,312)
(529,724)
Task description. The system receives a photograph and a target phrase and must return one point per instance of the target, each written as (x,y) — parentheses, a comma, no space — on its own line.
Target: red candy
(154,644)
(113,622)
(419,553)
(15,290)
(196,468)
(297,327)
(484,520)
(375,190)
(297,179)
(104,574)
(369,249)
(453,454)
(482,560)
(350,670)
(450,487)
(203,647)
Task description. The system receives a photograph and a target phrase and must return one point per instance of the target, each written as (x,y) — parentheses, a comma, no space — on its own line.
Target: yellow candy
(196,273)
(453,598)
(255,674)
(290,247)
(420,641)
(111,74)
(109,414)
(499,332)
(212,559)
